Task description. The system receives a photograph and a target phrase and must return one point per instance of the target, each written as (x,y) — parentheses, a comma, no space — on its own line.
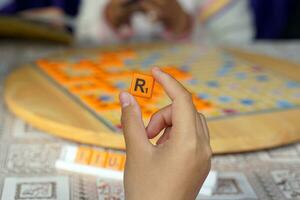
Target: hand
(170,13)
(118,12)
(177,166)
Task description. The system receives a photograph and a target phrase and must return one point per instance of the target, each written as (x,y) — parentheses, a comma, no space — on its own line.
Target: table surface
(27,156)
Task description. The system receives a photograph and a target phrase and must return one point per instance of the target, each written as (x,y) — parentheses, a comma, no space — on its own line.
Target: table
(27,156)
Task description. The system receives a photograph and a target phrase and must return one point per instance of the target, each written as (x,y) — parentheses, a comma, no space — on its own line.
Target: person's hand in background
(170,13)
(177,166)
(119,12)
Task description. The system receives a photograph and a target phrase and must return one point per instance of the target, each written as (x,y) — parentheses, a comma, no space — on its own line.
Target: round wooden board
(35,99)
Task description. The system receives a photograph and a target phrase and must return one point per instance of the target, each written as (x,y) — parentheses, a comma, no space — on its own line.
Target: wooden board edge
(286,134)
(59,129)
(65,131)
(91,137)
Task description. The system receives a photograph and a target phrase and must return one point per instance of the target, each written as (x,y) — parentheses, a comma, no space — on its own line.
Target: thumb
(133,127)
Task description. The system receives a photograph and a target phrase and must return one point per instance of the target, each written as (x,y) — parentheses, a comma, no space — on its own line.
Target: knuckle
(209,152)
(205,157)
(208,167)
(205,150)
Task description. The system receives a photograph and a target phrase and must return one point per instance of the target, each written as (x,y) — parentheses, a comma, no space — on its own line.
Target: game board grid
(205,75)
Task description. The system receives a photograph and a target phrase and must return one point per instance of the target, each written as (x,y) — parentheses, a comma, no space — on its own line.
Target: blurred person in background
(107,21)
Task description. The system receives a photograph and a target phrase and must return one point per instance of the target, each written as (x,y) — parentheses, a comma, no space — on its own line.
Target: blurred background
(107,21)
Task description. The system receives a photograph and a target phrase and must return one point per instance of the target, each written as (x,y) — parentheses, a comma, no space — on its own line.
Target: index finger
(173,88)
(183,109)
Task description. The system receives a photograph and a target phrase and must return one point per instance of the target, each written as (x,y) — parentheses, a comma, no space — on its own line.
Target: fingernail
(156,70)
(125,99)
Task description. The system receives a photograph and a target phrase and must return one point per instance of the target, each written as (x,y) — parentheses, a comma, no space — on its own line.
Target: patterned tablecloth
(27,155)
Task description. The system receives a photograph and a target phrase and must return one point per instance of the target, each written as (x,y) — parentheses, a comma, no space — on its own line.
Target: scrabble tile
(98,158)
(115,161)
(142,85)
(83,155)
(122,166)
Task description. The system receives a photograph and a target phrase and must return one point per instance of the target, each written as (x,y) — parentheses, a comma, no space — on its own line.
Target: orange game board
(96,83)
(226,87)
(250,101)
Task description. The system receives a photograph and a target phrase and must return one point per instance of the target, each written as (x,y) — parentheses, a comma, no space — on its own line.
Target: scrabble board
(242,100)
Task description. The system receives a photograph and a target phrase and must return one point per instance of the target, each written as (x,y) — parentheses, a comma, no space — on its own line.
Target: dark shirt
(273,19)
(70,7)
(276,19)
